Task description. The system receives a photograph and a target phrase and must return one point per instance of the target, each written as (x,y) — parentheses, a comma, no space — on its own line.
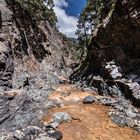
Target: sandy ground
(90,121)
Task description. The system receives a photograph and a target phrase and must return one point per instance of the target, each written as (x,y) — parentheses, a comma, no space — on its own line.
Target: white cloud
(67,24)
(60,3)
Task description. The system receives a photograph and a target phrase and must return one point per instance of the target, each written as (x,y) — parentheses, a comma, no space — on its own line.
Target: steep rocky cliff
(31,65)
(112,64)
(117,37)
(34,60)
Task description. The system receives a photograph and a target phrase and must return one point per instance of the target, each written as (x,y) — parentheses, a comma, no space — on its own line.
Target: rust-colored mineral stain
(90,122)
(68,93)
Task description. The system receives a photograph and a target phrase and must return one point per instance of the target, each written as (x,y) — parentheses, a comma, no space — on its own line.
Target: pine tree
(94,12)
(39,10)
(50,14)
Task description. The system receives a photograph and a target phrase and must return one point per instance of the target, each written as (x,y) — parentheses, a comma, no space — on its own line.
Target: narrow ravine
(89,121)
(69,69)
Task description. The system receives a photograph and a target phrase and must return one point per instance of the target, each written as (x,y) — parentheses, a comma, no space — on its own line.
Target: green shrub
(39,10)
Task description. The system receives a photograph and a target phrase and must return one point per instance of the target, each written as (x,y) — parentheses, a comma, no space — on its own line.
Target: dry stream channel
(89,121)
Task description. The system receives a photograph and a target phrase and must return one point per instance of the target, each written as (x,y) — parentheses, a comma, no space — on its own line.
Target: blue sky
(67,12)
(75,7)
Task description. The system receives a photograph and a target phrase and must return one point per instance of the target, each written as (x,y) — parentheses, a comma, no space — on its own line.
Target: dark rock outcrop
(6,58)
(112,64)
(114,49)
(31,60)
(6,67)
(116,40)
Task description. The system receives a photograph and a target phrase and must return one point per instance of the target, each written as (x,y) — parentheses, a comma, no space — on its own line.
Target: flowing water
(89,121)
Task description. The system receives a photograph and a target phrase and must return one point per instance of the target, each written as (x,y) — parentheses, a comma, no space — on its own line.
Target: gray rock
(27,137)
(54,124)
(17,110)
(113,70)
(6,14)
(32,130)
(6,67)
(89,100)
(107,101)
(130,89)
(114,91)
(125,114)
(18,134)
(115,74)
(44,137)
(130,114)
(120,120)
(59,117)
(56,135)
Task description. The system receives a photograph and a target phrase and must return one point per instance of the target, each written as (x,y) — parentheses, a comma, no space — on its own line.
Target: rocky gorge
(34,66)
(112,63)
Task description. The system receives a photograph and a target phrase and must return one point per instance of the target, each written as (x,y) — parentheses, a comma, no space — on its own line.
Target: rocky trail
(88,121)
(53,87)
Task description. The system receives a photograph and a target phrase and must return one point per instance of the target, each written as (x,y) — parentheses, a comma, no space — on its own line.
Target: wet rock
(89,100)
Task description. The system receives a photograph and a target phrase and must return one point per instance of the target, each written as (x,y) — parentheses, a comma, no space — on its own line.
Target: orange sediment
(89,121)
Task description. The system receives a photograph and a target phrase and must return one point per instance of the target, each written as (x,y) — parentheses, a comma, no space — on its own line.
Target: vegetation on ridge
(91,16)
(39,10)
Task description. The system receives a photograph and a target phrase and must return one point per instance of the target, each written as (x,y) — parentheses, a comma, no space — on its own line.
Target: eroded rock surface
(113,60)
(31,65)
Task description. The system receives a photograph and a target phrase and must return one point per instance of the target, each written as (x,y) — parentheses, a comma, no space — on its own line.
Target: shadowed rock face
(6,67)
(117,38)
(113,58)
(6,60)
